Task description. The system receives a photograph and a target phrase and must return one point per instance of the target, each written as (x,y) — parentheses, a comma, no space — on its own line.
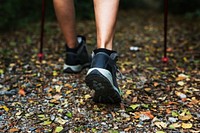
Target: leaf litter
(38,97)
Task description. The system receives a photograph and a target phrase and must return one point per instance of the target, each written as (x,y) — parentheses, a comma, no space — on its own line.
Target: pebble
(172,119)
(144,117)
(134,48)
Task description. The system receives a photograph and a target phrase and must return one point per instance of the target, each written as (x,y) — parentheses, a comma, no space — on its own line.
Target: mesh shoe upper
(76,61)
(102,78)
(104,61)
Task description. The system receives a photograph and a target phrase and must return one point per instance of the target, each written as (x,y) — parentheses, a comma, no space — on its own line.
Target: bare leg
(65,13)
(105,15)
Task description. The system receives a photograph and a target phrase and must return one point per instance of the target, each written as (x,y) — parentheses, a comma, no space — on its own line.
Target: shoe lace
(119,74)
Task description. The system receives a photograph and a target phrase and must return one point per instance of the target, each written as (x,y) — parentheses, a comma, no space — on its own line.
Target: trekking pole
(41,55)
(165,59)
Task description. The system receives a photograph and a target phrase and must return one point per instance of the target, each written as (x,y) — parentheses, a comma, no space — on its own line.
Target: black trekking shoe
(76,61)
(101,77)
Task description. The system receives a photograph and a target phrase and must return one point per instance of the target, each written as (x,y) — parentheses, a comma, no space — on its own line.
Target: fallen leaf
(21,92)
(69,115)
(58,88)
(18,113)
(69,91)
(185,117)
(175,113)
(47,122)
(145,105)
(144,117)
(137,115)
(147,89)
(170,103)
(160,132)
(180,94)
(55,73)
(134,106)
(181,77)
(148,113)
(60,110)
(42,117)
(186,125)
(185,112)
(181,83)
(87,96)
(1,71)
(174,125)
(12,130)
(155,84)
(134,100)
(168,111)
(68,86)
(128,92)
(161,124)
(58,129)
(55,101)
(169,49)
(5,108)
(57,97)
(60,120)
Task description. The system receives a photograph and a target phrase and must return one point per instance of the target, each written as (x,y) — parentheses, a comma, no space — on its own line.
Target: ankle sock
(74,50)
(109,52)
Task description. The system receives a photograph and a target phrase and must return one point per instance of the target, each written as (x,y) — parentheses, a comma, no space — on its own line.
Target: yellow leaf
(58,129)
(60,110)
(134,106)
(147,59)
(87,96)
(160,132)
(81,102)
(1,71)
(181,77)
(186,125)
(67,92)
(5,108)
(55,73)
(128,92)
(46,122)
(185,117)
(147,89)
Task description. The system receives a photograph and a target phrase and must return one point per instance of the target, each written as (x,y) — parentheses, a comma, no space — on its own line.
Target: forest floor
(157,97)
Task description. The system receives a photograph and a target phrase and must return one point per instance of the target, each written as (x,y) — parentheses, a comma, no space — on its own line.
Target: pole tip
(40,56)
(165,59)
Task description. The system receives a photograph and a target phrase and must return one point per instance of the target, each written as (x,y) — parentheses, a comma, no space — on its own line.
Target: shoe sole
(101,82)
(74,68)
